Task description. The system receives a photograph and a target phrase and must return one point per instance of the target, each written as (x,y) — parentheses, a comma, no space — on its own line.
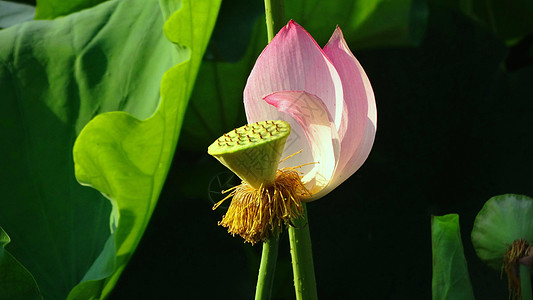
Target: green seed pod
(253,151)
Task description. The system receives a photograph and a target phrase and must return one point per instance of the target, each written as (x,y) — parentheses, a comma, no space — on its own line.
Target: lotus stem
(267,269)
(302,259)
(275,17)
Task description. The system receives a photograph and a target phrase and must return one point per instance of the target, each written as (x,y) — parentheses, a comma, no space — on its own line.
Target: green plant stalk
(525,282)
(275,17)
(302,259)
(263,290)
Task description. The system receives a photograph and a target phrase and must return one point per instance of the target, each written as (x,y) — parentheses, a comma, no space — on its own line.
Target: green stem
(302,259)
(267,269)
(275,17)
(525,282)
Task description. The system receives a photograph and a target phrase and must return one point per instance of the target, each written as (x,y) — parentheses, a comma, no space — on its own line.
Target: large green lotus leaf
(50,9)
(502,220)
(127,159)
(16,281)
(450,270)
(57,75)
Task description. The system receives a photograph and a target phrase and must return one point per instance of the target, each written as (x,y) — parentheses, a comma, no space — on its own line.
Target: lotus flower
(326,97)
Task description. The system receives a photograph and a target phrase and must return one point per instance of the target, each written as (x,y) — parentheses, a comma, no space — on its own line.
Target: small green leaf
(502,220)
(450,270)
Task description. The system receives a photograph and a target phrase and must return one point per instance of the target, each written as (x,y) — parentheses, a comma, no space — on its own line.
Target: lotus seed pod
(253,151)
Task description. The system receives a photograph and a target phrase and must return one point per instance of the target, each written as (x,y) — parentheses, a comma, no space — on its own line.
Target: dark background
(454,129)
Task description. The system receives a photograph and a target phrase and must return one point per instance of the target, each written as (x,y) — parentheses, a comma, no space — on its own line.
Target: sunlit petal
(359,117)
(319,133)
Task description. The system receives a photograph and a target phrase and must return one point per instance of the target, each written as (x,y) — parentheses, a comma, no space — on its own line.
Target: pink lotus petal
(292,61)
(359,117)
(293,73)
(319,133)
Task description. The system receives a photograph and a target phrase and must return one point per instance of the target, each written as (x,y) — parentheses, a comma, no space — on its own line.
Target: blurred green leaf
(365,23)
(51,9)
(450,270)
(234,30)
(57,75)
(15,281)
(12,13)
(509,20)
(502,220)
(216,104)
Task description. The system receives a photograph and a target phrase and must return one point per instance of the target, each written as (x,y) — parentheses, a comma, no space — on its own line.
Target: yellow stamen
(256,214)
(298,152)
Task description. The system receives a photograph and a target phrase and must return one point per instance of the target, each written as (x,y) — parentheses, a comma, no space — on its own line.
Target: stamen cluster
(257,213)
